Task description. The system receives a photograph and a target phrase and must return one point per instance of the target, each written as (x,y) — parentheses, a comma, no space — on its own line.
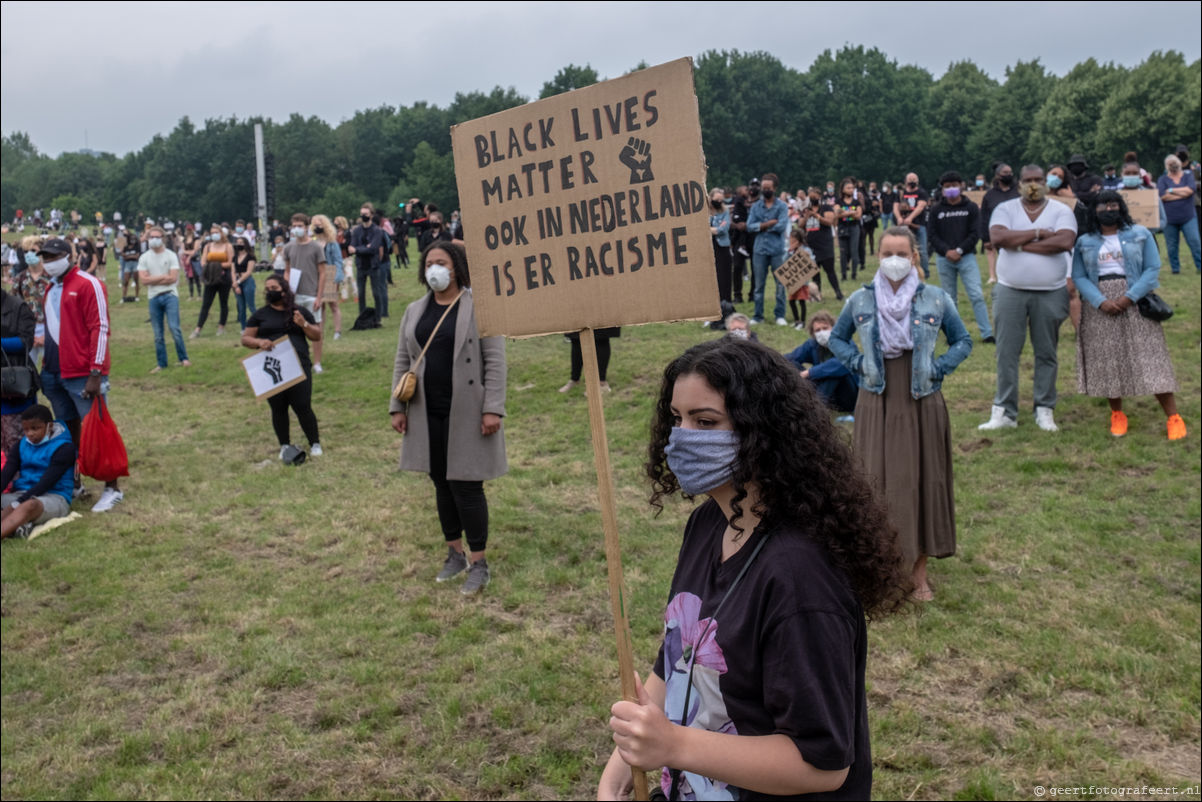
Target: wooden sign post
(583,211)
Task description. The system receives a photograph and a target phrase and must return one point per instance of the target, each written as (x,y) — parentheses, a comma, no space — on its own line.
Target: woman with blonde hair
(217,272)
(326,235)
(349,289)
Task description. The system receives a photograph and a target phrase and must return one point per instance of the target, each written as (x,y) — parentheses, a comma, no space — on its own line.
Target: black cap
(1108,167)
(1180,149)
(55,246)
(753,182)
(1077,158)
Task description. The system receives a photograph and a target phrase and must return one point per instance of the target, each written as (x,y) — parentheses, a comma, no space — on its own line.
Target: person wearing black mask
(912,212)
(720,235)
(742,240)
(1003,189)
(818,217)
(367,246)
(1085,185)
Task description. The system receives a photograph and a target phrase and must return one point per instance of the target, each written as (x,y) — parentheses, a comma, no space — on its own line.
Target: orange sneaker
(1176,427)
(1118,423)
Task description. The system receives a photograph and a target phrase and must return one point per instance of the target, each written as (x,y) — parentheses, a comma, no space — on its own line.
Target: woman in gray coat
(452,424)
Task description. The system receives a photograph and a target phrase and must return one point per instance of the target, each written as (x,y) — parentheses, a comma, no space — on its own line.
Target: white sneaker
(998,420)
(337,335)
(780,321)
(755,321)
(315,450)
(317,367)
(108,499)
(282,450)
(1044,419)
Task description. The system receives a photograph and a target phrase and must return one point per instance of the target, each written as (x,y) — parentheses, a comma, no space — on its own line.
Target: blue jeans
(64,395)
(166,305)
(965,270)
(246,301)
(923,258)
(1172,242)
(760,262)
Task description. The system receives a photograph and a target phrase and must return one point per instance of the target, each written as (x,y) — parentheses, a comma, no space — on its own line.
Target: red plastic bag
(101,450)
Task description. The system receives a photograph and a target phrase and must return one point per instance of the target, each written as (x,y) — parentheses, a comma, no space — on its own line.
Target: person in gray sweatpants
(1033,235)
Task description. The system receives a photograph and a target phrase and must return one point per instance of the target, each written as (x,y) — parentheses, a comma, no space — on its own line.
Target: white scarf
(893,313)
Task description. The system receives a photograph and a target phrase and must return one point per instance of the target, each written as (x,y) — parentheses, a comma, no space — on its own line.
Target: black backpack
(367,320)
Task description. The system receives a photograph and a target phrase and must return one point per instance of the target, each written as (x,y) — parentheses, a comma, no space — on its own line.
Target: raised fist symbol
(271,366)
(637,156)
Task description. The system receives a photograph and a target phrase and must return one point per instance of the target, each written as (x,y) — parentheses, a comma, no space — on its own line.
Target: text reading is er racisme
(614,258)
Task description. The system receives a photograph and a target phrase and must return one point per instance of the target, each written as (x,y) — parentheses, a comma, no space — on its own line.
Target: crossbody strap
(684,711)
(437,326)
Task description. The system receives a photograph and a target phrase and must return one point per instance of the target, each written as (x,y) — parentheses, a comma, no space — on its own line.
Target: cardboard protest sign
(975,195)
(274,371)
(1144,206)
(797,271)
(588,209)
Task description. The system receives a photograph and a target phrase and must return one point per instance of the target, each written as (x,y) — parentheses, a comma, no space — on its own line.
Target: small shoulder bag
(407,386)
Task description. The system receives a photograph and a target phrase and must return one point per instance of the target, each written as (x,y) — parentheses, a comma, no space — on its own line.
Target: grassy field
(237,629)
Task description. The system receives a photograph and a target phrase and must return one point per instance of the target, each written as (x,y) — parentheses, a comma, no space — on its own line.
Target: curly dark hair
(1107,196)
(786,440)
(458,262)
(289,297)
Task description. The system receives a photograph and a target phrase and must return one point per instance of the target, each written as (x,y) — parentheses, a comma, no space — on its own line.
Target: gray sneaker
(456,564)
(477,578)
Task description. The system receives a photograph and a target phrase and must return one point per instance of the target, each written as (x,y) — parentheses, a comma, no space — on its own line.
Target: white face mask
(896,268)
(57,267)
(298,232)
(438,277)
(742,334)
(155,242)
(225,231)
(823,336)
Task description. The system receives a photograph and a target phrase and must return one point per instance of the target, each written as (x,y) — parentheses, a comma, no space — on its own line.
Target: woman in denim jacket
(1119,351)
(902,434)
(720,234)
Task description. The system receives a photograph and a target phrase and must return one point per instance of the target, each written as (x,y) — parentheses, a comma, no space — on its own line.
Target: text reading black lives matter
(521,175)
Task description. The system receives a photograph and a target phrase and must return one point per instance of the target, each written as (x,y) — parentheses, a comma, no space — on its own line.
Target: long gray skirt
(1119,356)
(905,445)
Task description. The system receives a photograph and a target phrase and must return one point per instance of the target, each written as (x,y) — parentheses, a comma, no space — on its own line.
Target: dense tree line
(853,111)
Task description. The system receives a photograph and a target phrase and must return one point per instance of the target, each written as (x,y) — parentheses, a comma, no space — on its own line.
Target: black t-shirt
(888,199)
(440,358)
(848,225)
(908,200)
(786,656)
(818,236)
(274,323)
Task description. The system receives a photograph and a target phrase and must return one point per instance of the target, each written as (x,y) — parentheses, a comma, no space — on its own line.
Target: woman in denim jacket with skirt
(902,434)
(1119,351)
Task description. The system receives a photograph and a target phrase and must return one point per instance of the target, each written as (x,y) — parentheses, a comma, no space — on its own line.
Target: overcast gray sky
(124,72)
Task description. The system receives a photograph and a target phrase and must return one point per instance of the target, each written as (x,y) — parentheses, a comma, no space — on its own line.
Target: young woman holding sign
(452,424)
(267,324)
(759,684)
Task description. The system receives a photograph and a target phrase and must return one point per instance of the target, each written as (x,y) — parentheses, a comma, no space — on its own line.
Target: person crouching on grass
(278,317)
(759,684)
(40,468)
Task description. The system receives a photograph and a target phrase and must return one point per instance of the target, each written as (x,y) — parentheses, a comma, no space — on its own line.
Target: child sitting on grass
(40,467)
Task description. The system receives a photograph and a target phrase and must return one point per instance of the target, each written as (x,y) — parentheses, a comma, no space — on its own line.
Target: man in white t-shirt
(1033,237)
(158,272)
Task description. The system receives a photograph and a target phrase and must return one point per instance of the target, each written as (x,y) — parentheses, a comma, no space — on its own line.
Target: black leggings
(793,306)
(300,398)
(722,263)
(462,507)
(602,357)
(738,266)
(828,267)
(849,250)
(222,291)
